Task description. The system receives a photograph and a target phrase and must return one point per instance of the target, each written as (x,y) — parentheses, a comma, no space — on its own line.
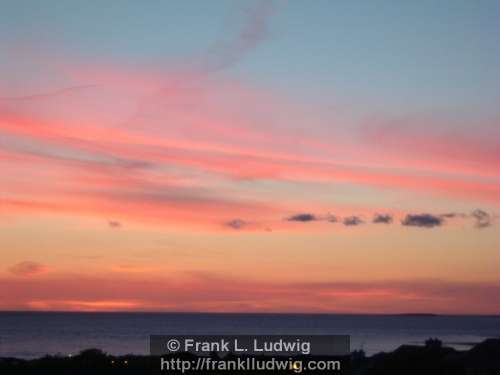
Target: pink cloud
(437,144)
(132,141)
(27,268)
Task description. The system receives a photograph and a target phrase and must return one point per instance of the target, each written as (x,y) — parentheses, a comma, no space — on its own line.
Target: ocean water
(33,334)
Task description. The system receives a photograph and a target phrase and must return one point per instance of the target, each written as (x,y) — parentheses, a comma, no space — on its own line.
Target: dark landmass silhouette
(424,315)
(431,359)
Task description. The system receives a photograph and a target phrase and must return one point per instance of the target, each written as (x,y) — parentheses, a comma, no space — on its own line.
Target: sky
(250,156)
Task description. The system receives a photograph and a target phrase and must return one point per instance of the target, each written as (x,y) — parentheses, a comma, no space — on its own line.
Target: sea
(35,334)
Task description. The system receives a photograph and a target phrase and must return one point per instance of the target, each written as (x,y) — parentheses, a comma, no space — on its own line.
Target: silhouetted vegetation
(431,359)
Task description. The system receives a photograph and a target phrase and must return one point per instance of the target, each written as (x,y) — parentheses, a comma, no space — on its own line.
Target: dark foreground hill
(431,359)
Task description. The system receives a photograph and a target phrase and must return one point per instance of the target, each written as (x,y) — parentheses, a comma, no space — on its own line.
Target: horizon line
(401,314)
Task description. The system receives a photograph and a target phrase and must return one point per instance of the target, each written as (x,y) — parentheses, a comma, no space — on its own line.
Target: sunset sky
(250,156)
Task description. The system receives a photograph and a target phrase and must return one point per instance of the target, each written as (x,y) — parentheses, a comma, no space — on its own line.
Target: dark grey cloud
(449,215)
(27,268)
(304,217)
(331,218)
(114,224)
(425,220)
(236,224)
(453,215)
(352,221)
(308,217)
(482,218)
(382,219)
(422,220)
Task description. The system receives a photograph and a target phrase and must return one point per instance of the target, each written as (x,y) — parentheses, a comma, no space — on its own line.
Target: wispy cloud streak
(251,28)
